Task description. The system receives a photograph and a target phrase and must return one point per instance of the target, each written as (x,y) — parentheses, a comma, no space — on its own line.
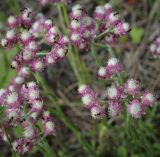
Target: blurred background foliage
(117,138)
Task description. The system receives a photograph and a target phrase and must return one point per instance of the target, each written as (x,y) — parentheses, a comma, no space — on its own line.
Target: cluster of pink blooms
(112,68)
(23,102)
(28,40)
(84,30)
(117,95)
(82,27)
(155,47)
(89,99)
(24,106)
(111,22)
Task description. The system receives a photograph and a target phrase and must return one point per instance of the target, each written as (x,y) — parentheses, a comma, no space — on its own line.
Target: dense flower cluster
(89,99)
(24,106)
(113,67)
(155,47)
(110,22)
(117,95)
(23,102)
(84,30)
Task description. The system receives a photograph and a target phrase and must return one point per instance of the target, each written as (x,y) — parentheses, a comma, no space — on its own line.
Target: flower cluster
(83,27)
(111,23)
(28,39)
(22,100)
(117,95)
(155,47)
(113,67)
(89,99)
(24,106)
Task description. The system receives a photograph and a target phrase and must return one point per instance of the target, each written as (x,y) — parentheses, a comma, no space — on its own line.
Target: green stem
(61,16)
(94,54)
(102,34)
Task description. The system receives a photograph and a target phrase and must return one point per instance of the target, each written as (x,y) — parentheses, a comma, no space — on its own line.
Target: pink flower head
(18,80)
(27,55)
(30,132)
(51,58)
(60,52)
(18,60)
(22,145)
(33,94)
(82,45)
(99,13)
(26,37)
(24,72)
(114,93)
(114,19)
(108,9)
(132,87)
(26,18)
(77,12)
(48,24)
(110,38)
(34,116)
(89,23)
(75,25)
(3,93)
(103,73)
(49,128)
(148,99)
(63,41)
(122,28)
(84,89)
(114,108)
(88,35)
(43,2)
(53,30)
(32,85)
(11,37)
(37,64)
(5,43)
(114,66)
(135,108)
(157,41)
(14,115)
(98,112)
(15,64)
(37,27)
(25,91)
(33,46)
(155,48)
(12,22)
(37,105)
(76,38)
(89,100)
(52,38)
(13,100)
(11,88)
(47,116)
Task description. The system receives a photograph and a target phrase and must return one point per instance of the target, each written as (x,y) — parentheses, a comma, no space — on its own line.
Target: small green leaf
(136,35)
(122,152)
